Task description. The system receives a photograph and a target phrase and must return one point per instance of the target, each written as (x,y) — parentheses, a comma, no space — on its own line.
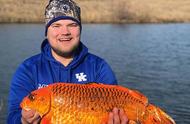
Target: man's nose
(65,30)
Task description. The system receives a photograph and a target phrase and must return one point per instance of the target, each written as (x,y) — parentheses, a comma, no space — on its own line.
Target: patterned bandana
(61,9)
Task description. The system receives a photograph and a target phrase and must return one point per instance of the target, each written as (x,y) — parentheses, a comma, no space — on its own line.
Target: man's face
(64,36)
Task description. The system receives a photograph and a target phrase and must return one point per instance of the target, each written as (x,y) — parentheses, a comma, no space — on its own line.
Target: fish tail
(155,115)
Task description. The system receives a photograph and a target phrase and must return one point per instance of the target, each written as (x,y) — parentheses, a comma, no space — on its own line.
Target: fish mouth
(27,108)
(24,106)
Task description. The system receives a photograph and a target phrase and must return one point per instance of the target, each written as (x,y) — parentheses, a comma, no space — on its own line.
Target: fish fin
(105,120)
(96,83)
(46,119)
(91,83)
(154,115)
(133,122)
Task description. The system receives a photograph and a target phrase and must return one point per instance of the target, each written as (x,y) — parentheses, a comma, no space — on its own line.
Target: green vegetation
(102,11)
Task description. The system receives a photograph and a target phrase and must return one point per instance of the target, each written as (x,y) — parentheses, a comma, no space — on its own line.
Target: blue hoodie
(42,69)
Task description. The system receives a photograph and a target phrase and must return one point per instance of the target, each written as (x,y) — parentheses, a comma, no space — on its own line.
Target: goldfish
(69,103)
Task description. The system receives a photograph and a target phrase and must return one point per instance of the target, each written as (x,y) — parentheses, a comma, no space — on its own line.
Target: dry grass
(160,10)
(22,10)
(102,11)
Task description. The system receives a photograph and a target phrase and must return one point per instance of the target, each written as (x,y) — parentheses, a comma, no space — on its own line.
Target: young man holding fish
(63,59)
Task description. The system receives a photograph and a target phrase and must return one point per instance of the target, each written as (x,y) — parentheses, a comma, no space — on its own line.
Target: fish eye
(31,96)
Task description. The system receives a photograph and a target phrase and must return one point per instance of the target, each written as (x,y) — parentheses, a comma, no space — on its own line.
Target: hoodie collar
(79,56)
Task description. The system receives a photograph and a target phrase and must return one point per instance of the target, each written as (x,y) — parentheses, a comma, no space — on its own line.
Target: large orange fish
(65,103)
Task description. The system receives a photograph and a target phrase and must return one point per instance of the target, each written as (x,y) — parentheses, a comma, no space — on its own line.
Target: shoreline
(114,23)
(102,11)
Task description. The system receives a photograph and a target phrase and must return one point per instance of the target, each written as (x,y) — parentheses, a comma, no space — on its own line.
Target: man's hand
(30,117)
(117,116)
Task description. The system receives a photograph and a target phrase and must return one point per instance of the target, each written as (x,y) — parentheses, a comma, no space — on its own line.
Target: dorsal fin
(90,83)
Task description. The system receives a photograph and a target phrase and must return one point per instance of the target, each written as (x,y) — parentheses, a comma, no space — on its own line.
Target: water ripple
(1,104)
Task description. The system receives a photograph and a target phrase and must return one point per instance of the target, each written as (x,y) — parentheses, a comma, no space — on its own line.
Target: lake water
(152,58)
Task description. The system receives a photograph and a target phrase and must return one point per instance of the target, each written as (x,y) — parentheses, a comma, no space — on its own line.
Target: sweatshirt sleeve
(105,74)
(21,85)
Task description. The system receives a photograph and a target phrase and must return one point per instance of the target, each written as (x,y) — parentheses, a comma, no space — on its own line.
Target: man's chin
(65,53)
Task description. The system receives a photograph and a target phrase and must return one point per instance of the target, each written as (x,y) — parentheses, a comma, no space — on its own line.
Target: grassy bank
(102,11)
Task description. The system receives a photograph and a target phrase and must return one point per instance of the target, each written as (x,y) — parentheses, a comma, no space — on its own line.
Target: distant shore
(102,11)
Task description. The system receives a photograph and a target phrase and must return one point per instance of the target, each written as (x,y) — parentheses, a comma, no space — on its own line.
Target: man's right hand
(30,117)
(117,116)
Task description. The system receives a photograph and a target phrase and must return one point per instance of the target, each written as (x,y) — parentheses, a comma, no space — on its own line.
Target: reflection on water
(152,58)
(1,104)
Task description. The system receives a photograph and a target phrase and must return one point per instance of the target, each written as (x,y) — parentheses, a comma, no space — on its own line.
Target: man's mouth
(65,39)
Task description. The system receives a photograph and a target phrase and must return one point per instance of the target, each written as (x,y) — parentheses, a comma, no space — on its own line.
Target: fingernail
(121,110)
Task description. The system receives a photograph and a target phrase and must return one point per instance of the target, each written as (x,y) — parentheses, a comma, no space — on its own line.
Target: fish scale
(89,97)
(67,103)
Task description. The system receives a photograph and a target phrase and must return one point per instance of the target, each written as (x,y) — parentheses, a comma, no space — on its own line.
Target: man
(63,58)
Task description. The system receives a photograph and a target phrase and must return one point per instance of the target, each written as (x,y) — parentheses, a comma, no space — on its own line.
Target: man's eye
(55,26)
(73,25)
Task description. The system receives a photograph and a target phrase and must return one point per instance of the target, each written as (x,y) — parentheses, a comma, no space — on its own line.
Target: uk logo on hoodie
(81,77)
